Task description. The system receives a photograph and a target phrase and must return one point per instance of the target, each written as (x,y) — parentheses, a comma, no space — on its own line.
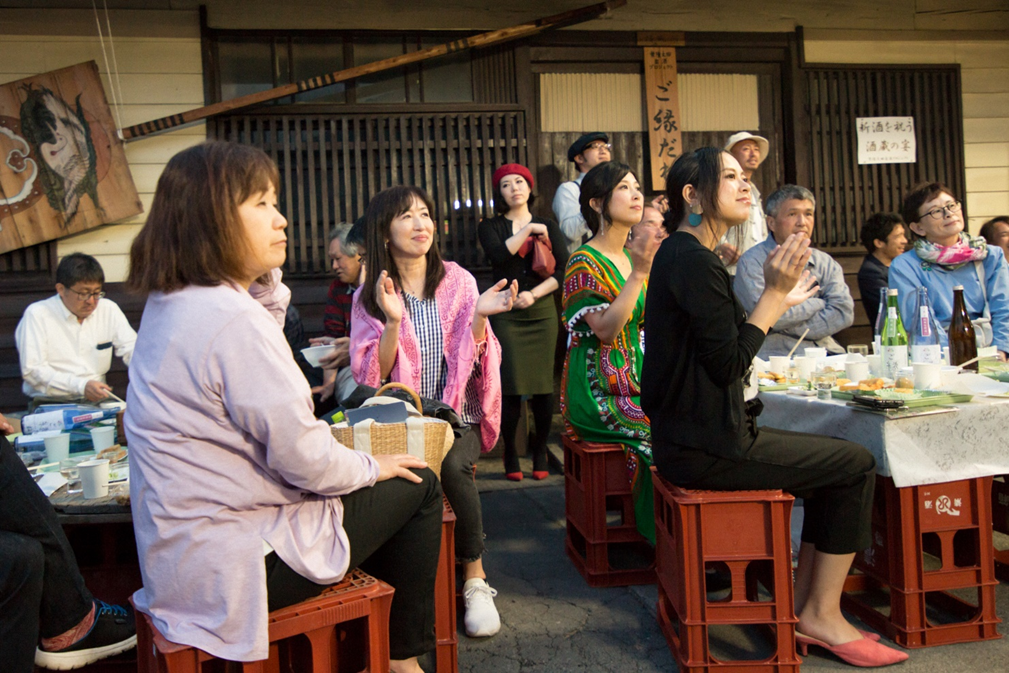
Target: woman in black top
(528,333)
(699,346)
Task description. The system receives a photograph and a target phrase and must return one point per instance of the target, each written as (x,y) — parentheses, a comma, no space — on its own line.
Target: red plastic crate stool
(447,648)
(596,484)
(1000,522)
(748,532)
(358,597)
(950,521)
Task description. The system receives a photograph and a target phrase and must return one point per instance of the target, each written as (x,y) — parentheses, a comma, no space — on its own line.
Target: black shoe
(114,631)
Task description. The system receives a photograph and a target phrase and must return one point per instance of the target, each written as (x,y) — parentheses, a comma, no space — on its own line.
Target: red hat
(512,169)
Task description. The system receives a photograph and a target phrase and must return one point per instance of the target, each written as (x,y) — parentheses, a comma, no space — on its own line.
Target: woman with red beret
(528,333)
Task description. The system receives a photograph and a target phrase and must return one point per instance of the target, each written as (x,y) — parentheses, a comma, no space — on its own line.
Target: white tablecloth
(970,442)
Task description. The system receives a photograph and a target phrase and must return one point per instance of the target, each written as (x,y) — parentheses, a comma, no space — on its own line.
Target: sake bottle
(877,332)
(924,337)
(962,345)
(894,339)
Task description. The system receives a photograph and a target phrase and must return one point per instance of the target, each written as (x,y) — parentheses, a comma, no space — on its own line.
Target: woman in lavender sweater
(243,502)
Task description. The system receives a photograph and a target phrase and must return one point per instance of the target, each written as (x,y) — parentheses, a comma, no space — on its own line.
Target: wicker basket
(392,438)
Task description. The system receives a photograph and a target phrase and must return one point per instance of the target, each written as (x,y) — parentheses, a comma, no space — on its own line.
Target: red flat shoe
(540,475)
(513,476)
(874,637)
(864,652)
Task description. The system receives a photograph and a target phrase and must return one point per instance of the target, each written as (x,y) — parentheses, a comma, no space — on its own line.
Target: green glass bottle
(893,339)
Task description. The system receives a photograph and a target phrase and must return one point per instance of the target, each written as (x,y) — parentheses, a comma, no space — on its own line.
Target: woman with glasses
(942,256)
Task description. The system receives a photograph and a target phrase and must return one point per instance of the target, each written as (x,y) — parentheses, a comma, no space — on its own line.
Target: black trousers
(394,529)
(834,477)
(41,589)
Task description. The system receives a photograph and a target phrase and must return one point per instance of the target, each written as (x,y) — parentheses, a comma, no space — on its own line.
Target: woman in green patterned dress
(604,304)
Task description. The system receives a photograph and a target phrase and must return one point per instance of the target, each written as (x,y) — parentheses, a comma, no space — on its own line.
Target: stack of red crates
(1000,522)
(602,540)
(950,522)
(748,532)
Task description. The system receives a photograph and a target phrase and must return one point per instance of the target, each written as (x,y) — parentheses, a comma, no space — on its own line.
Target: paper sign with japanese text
(885,140)
(663,105)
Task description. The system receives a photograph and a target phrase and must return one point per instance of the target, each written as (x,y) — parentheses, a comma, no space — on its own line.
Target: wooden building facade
(446,125)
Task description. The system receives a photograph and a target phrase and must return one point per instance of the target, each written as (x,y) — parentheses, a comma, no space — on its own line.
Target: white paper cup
(816,353)
(806,366)
(103,436)
(314,353)
(927,375)
(947,376)
(856,371)
(94,478)
(875,363)
(779,364)
(57,447)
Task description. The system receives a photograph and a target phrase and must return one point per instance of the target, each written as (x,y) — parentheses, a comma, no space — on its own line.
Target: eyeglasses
(599,146)
(940,213)
(84,296)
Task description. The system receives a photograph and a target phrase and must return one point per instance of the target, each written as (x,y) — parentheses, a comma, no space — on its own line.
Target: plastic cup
(57,447)
(947,376)
(94,478)
(927,375)
(779,364)
(103,436)
(856,371)
(875,363)
(68,468)
(806,366)
(815,353)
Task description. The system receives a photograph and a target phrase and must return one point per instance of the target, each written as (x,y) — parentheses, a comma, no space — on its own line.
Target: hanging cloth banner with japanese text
(663,104)
(885,140)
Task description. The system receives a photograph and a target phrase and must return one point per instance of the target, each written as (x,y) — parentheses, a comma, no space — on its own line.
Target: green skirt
(528,340)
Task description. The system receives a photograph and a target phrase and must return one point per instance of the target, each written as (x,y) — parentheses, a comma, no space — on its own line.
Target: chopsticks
(797,343)
(116,397)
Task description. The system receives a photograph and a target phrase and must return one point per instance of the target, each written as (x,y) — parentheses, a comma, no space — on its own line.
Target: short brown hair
(194,234)
(383,208)
(919,195)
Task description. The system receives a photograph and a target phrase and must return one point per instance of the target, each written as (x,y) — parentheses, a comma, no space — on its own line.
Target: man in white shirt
(65,343)
(750,151)
(586,153)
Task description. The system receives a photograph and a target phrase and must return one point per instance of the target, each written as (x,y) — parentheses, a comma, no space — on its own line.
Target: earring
(694,219)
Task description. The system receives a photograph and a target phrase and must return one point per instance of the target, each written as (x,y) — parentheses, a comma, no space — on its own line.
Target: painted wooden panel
(132,55)
(986,154)
(65,168)
(988,204)
(979,105)
(985,80)
(986,130)
(988,179)
(879,51)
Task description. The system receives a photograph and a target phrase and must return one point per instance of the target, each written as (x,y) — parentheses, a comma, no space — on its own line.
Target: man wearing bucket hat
(750,151)
(586,153)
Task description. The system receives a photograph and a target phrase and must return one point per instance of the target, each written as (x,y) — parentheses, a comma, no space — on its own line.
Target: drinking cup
(856,371)
(805,366)
(57,447)
(94,478)
(68,468)
(927,375)
(875,363)
(103,436)
(816,353)
(859,349)
(779,364)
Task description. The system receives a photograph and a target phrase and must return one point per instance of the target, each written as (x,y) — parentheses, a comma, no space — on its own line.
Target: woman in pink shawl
(421,321)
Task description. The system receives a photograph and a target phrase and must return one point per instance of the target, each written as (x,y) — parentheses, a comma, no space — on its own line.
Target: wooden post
(662,103)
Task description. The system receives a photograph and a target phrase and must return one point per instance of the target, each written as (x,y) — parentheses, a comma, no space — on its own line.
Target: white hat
(736,138)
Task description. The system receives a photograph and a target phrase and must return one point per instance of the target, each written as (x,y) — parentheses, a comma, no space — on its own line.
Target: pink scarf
(456,296)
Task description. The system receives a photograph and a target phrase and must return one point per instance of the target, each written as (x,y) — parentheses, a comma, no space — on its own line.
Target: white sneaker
(481,617)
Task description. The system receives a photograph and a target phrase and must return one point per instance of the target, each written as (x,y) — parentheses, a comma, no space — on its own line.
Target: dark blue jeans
(42,592)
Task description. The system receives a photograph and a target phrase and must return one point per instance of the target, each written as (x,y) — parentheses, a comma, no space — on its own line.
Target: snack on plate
(842,382)
(903,382)
(871,384)
(114,453)
(851,386)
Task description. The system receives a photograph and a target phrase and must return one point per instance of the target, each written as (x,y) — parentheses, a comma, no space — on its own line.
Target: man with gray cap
(750,151)
(586,153)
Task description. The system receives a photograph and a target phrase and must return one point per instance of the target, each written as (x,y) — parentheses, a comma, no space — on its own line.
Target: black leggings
(394,529)
(834,477)
(542,408)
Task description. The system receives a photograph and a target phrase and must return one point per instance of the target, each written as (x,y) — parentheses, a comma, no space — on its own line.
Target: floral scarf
(951,257)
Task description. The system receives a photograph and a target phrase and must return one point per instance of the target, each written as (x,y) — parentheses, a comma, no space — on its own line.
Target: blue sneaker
(114,631)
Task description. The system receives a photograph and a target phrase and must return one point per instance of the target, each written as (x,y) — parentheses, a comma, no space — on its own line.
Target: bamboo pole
(482,40)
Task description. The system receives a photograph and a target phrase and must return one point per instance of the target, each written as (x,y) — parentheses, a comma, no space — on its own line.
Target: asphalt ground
(553,622)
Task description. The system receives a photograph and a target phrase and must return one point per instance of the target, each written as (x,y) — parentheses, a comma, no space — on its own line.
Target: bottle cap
(958,287)
(892,293)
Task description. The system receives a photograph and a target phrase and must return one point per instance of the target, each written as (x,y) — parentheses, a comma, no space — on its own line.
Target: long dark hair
(599,183)
(194,234)
(386,206)
(701,168)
